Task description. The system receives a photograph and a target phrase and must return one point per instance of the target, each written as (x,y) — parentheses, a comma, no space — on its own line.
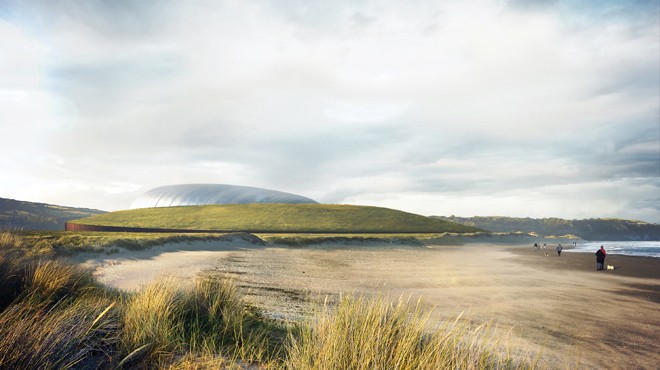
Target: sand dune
(580,317)
(128,270)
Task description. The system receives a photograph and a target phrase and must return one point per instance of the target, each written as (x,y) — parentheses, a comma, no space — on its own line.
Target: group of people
(600,254)
(558,249)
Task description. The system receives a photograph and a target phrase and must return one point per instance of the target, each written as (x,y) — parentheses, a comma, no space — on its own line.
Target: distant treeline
(21,215)
(589,229)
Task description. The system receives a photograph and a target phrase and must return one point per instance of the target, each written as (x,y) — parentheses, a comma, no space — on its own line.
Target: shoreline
(643,267)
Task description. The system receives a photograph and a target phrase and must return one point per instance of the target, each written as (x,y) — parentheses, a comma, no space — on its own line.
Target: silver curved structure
(202,194)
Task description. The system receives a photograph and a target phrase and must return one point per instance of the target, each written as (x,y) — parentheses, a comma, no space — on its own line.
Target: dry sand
(581,318)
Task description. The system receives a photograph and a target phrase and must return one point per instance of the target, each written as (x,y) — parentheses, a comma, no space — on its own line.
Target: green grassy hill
(286,218)
(21,215)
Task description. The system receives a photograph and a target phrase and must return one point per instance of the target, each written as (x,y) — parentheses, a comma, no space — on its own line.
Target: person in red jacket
(600,258)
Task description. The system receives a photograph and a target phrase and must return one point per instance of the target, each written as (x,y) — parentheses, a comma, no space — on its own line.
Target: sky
(469,108)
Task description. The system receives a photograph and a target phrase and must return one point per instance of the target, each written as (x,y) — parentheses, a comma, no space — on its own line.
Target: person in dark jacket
(600,258)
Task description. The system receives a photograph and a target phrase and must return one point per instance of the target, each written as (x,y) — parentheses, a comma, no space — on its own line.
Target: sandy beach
(578,317)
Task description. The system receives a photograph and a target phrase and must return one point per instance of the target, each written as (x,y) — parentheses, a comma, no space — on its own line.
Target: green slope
(22,215)
(295,218)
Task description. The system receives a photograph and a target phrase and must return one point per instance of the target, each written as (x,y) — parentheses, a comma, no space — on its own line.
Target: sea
(647,249)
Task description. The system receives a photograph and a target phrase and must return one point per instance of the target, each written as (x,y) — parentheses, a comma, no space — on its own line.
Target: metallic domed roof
(202,194)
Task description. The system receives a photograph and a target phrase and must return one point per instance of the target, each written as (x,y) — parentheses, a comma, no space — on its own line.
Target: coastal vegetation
(67,243)
(588,229)
(286,218)
(54,315)
(21,215)
(63,243)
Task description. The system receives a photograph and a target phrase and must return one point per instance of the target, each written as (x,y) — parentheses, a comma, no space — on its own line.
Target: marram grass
(52,315)
(54,279)
(361,333)
(68,334)
(166,319)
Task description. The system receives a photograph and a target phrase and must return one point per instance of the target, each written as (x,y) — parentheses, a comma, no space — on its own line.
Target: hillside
(293,218)
(589,229)
(21,215)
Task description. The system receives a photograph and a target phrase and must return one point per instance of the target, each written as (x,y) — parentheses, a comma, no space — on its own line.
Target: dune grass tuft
(150,318)
(54,279)
(69,334)
(361,333)
(39,279)
(210,318)
(10,241)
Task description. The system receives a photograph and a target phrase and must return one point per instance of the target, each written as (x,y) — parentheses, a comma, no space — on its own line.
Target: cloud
(626,198)
(465,102)
(532,4)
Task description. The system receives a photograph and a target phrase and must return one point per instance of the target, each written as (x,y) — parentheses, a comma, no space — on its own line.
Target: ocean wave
(629,248)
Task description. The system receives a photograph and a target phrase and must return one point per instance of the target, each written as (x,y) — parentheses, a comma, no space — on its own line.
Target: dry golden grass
(65,243)
(65,335)
(54,279)
(362,333)
(10,240)
(209,318)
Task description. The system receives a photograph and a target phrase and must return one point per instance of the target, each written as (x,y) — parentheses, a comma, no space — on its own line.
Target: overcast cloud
(520,108)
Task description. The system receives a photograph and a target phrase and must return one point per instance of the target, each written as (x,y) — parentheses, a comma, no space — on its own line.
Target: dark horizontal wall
(71,226)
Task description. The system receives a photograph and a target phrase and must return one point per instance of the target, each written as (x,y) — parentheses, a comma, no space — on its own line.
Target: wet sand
(558,303)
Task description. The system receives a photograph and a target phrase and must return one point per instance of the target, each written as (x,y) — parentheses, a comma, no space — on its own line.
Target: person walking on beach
(600,258)
(559,248)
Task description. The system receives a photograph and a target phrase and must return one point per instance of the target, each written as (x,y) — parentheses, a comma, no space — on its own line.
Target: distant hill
(276,218)
(589,229)
(21,215)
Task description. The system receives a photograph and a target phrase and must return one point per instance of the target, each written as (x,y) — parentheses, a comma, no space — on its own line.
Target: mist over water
(629,248)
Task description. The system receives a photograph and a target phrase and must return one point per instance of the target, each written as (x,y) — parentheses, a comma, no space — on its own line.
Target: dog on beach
(610,267)
(547,254)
